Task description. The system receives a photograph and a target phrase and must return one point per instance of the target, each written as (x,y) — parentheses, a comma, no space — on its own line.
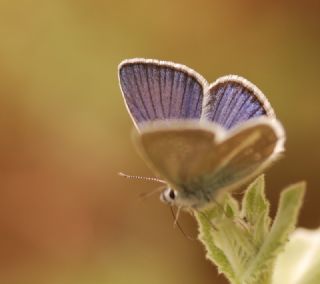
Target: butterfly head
(173,197)
(168,196)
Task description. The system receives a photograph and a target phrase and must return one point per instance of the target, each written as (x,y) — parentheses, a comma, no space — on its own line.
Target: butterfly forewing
(232,100)
(196,158)
(158,90)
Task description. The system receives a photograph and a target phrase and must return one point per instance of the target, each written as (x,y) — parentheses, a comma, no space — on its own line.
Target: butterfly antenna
(176,223)
(141,178)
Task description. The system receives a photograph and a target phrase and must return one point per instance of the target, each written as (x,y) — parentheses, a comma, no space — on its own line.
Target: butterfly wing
(200,160)
(159,90)
(178,152)
(233,99)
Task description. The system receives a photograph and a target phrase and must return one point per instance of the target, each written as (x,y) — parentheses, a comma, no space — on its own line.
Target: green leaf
(285,220)
(231,207)
(255,209)
(236,244)
(214,254)
(226,238)
(241,243)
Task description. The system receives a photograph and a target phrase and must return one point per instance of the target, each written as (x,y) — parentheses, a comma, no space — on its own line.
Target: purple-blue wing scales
(158,90)
(232,100)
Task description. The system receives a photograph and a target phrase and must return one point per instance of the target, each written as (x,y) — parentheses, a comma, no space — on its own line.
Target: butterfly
(202,139)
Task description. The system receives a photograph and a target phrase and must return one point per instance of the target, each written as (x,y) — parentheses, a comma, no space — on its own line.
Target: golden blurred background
(65,214)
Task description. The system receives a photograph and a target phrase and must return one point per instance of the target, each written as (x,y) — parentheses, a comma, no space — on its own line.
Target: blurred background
(65,214)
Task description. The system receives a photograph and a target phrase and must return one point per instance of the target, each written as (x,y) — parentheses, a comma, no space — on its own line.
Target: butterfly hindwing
(232,100)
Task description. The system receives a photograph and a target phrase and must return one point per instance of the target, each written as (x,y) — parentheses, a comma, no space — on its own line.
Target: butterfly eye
(172,194)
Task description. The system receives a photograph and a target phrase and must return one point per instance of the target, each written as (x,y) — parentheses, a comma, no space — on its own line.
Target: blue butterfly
(202,139)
